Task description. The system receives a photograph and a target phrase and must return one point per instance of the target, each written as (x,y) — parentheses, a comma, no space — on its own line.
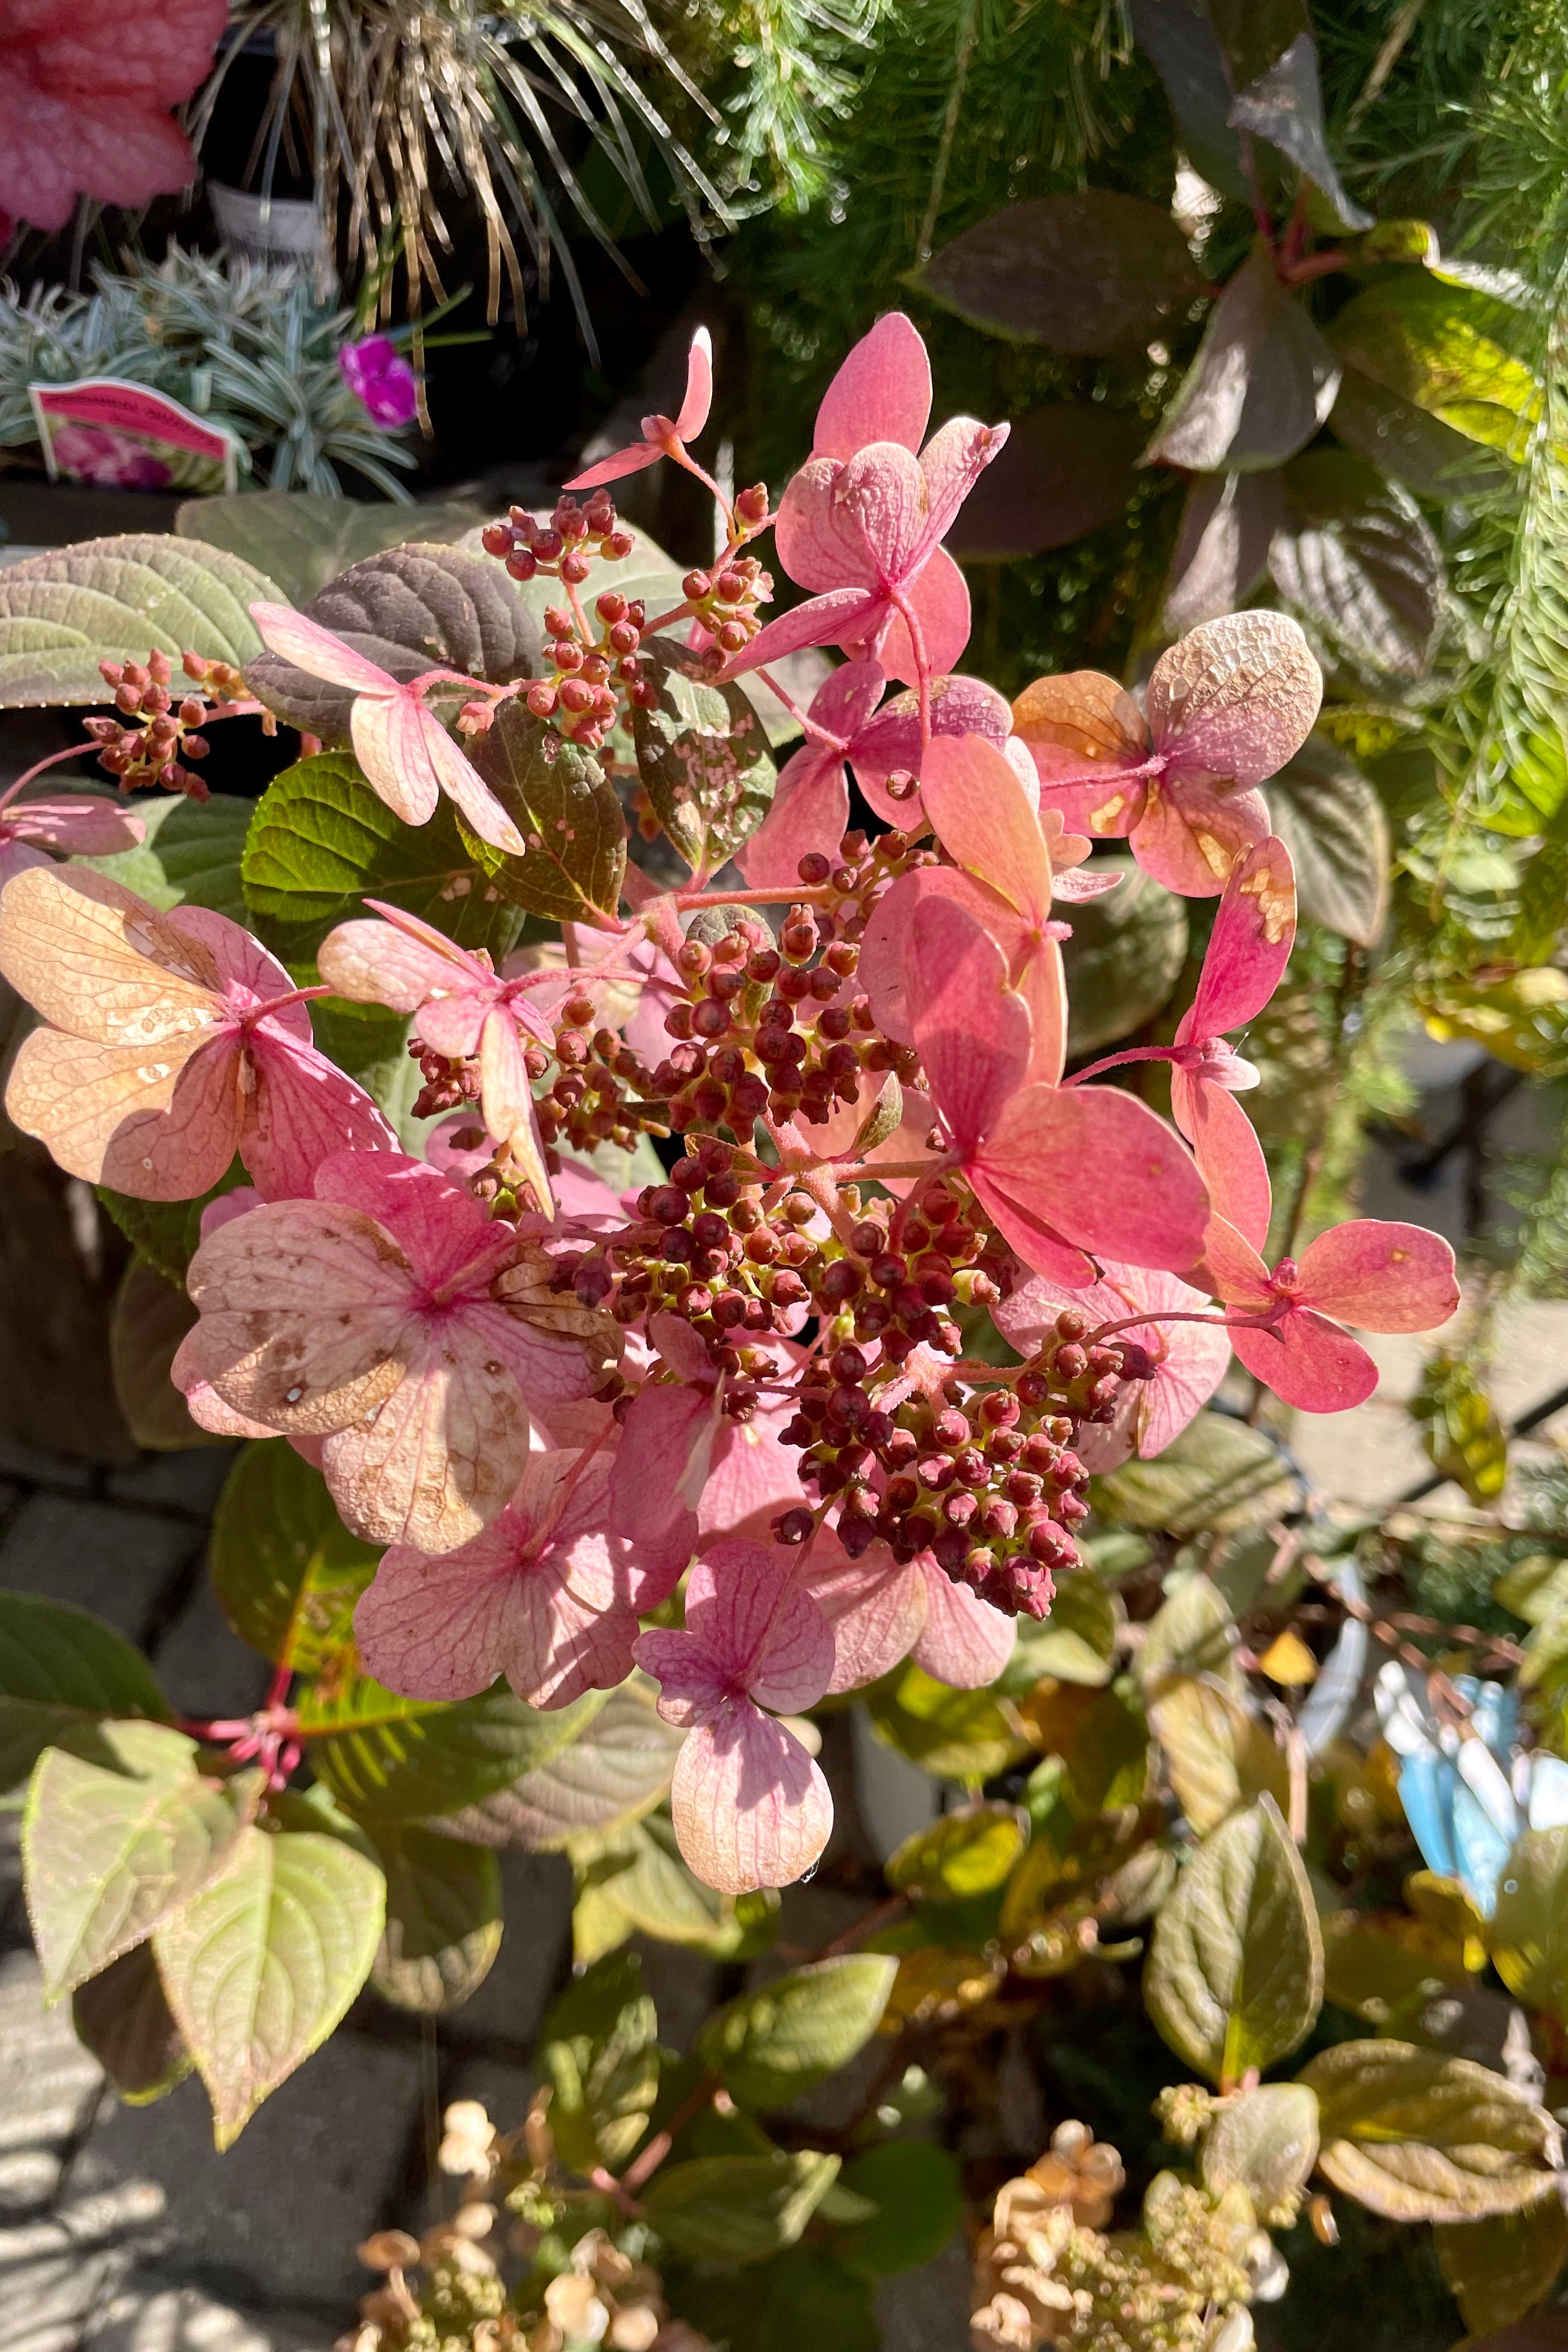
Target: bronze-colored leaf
(564,804)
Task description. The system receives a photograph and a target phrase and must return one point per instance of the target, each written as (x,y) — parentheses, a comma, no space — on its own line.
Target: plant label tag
(125,437)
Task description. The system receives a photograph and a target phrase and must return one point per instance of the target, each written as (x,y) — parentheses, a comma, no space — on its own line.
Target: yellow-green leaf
(1499,2269)
(964,1853)
(1235,1974)
(1418,2136)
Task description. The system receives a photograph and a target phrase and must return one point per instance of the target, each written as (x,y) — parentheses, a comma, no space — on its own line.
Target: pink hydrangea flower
(863,521)
(170,1041)
(810,809)
(77,824)
(1380,1275)
(407,756)
(662,436)
(882,1611)
(1225,709)
(392,1318)
(750,1806)
(1062,1171)
(547,1595)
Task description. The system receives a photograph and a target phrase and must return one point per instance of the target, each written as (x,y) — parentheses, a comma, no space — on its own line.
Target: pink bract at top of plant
(171,1042)
(1064,1173)
(810,810)
(85,94)
(407,756)
(74,823)
(547,1595)
(1380,1275)
(390,1316)
(750,1806)
(376,371)
(662,436)
(1189,1359)
(863,521)
(1227,707)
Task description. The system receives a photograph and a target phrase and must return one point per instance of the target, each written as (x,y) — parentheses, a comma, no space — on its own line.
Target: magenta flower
(864,519)
(392,1318)
(1190,1360)
(407,756)
(750,1807)
(1379,1275)
(376,371)
(662,436)
(170,1042)
(547,1596)
(75,824)
(1062,1171)
(1227,707)
(810,809)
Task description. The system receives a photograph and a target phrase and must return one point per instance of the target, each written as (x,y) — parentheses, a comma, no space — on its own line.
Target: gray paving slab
(183,2319)
(278,2217)
(535,1948)
(50,2087)
(203,1666)
(118,1563)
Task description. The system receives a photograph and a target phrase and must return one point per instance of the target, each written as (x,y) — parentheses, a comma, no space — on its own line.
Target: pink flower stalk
(85,96)
(1189,1359)
(464,1008)
(1380,1275)
(1227,707)
(407,756)
(547,1596)
(750,1807)
(77,824)
(863,521)
(1062,1171)
(810,810)
(662,436)
(377,373)
(171,1042)
(882,1611)
(391,1318)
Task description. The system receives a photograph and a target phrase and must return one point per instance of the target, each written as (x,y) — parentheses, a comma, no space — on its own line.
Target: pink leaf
(698,399)
(299,1111)
(1238,1274)
(1250,947)
(661,1464)
(1381,1275)
(881,391)
(1191,835)
(78,822)
(158,1124)
(746,1602)
(841,617)
(940,597)
(1100,1170)
(1229,1153)
(876,1608)
(974,1033)
(810,812)
(750,1807)
(986,820)
(1310,1362)
(753,1477)
(1235,699)
(952,462)
(964,1642)
(318,652)
(506,1098)
(388,738)
(387,963)
(613,469)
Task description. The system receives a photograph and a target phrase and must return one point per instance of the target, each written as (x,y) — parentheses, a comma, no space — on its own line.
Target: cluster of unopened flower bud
(152,733)
(726,600)
(763,1029)
(987,1481)
(583,681)
(860,872)
(449,1083)
(560,547)
(597,1079)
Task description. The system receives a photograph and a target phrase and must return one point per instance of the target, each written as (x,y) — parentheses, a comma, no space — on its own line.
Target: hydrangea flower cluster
(749,1401)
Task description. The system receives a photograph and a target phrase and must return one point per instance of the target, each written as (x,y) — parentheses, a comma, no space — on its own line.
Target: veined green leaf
(1418,2137)
(734,2209)
(64,612)
(62,1674)
(772,2044)
(401,1760)
(443,1919)
(286,1569)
